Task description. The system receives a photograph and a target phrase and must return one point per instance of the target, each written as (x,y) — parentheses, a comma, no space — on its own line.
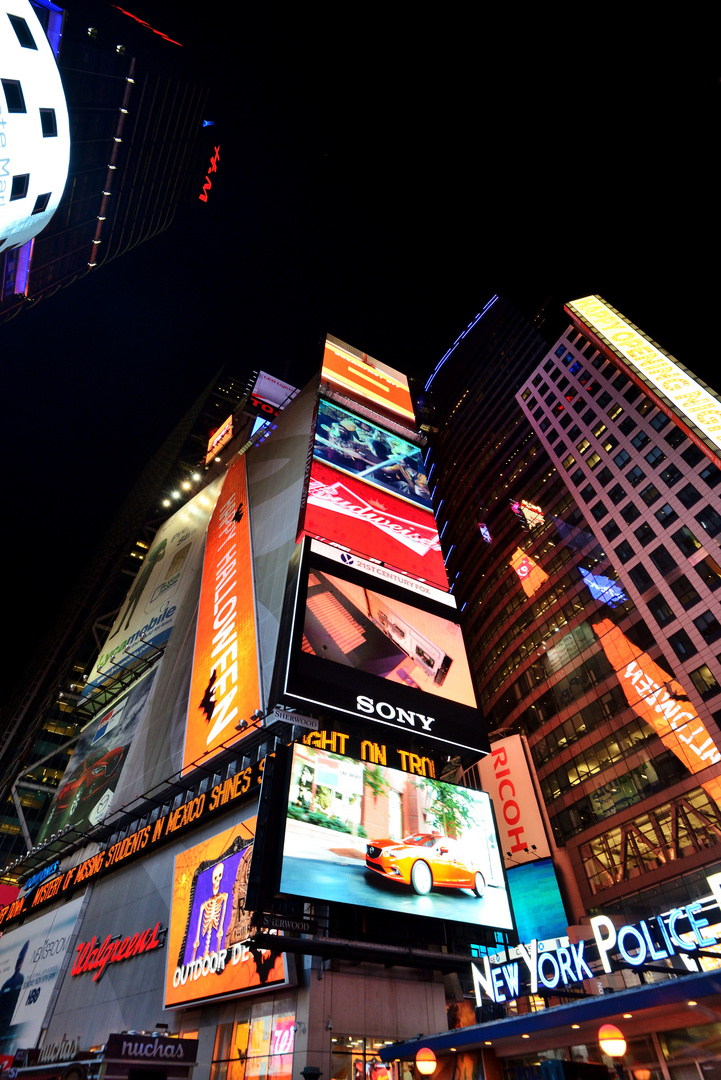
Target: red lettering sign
(95,955)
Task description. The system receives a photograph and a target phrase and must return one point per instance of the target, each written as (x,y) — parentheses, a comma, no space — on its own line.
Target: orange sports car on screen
(425,860)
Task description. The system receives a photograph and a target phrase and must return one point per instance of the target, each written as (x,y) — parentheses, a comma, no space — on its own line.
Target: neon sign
(679,932)
(95,955)
(213,167)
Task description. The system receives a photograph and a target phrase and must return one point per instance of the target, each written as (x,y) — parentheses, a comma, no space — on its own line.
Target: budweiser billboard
(345,510)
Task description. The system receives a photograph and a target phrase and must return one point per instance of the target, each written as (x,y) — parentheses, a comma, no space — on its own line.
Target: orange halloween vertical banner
(662,702)
(225,686)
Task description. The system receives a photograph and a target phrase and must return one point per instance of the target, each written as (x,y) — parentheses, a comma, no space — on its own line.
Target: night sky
(378,180)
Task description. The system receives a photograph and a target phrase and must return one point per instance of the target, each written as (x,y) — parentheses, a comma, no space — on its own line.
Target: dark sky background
(378,180)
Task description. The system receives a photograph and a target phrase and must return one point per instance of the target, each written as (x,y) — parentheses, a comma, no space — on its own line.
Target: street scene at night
(361,705)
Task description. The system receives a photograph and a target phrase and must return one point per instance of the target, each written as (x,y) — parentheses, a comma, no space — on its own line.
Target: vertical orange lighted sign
(529,572)
(662,702)
(225,686)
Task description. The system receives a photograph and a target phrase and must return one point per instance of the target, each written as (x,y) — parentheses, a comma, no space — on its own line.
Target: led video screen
(374,523)
(537,903)
(366,380)
(210,946)
(346,623)
(379,653)
(364,834)
(355,446)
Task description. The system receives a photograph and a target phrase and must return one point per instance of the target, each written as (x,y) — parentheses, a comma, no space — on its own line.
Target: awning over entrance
(691,1000)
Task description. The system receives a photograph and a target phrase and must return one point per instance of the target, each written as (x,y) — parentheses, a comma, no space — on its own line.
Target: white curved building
(34,128)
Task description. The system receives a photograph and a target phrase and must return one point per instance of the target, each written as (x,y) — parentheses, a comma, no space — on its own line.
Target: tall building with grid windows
(582,487)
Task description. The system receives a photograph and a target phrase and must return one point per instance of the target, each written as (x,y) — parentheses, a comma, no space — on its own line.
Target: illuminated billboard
(93,773)
(147,616)
(220,438)
(377,652)
(225,686)
(347,511)
(31,958)
(698,403)
(364,379)
(377,837)
(273,391)
(662,702)
(537,902)
(506,776)
(362,449)
(210,948)
(527,513)
(530,574)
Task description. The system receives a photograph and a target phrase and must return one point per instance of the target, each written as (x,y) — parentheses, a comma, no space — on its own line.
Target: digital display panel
(367,380)
(355,446)
(377,652)
(348,624)
(380,838)
(348,511)
(220,438)
(210,948)
(537,902)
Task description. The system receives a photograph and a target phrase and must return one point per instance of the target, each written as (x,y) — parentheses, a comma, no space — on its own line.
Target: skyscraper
(580,492)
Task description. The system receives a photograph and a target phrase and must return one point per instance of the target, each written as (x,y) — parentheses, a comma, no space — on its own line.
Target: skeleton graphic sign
(210,947)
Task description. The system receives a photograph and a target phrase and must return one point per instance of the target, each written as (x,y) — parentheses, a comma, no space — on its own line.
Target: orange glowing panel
(530,573)
(225,687)
(367,380)
(662,702)
(210,947)
(219,438)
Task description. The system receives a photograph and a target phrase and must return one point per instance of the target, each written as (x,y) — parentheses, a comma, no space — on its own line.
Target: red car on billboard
(87,795)
(423,861)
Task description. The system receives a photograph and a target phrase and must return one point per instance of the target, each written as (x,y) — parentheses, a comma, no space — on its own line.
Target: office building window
(708,626)
(563,383)
(624,551)
(615,411)
(659,421)
(589,416)
(603,399)
(548,365)
(655,457)
(645,407)
(588,493)
(704,681)
(560,350)
(620,381)
(611,530)
(609,443)
(640,577)
(644,534)
(622,458)
(626,426)
(671,475)
(574,432)
(552,436)
(709,520)
(666,515)
(710,572)
(599,511)
(593,460)
(711,475)
(599,429)
(692,455)
(660,610)
(593,388)
(688,495)
(565,421)
(684,592)
(631,394)
(640,440)
(685,539)
(617,493)
(635,475)
(675,438)
(555,374)
(538,413)
(578,477)
(568,462)
(604,476)
(682,645)
(545,424)
(663,559)
(630,512)
(650,494)
(583,446)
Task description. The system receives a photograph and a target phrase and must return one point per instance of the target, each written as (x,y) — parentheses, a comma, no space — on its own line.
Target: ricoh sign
(528,968)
